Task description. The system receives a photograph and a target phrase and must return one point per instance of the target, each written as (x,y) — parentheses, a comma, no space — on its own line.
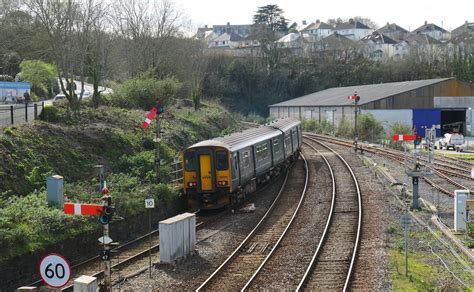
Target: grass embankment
(71,147)
(426,272)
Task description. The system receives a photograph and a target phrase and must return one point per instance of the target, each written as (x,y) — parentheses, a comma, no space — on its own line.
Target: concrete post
(85,284)
(55,189)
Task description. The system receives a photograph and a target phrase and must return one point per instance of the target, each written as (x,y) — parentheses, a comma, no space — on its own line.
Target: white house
(353,30)
(378,47)
(434,31)
(317,30)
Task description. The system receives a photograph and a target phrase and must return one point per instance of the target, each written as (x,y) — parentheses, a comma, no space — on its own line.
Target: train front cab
(207,177)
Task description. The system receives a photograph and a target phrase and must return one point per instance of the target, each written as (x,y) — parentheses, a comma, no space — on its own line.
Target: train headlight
(222,183)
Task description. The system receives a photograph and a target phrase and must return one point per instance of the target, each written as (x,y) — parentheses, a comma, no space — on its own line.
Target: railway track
(122,256)
(401,158)
(332,265)
(252,253)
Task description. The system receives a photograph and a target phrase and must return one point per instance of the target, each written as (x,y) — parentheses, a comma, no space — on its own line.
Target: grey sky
(409,14)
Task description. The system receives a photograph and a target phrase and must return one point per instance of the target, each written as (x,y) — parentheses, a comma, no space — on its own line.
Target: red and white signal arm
(403,137)
(55,270)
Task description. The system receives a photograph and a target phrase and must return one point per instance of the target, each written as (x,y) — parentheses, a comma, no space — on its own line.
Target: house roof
(379,38)
(233,37)
(351,24)
(429,27)
(421,38)
(337,96)
(393,27)
(318,25)
(336,39)
(467,27)
(292,36)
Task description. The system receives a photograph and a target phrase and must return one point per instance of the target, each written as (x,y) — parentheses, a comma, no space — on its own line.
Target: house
(434,31)
(242,30)
(466,28)
(291,41)
(421,46)
(393,31)
(202,32)
(354,30)
(227,40)
(317,30)
(378,46)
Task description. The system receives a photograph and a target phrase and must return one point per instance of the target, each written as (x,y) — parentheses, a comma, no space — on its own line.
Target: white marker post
(55,270)
(149,204)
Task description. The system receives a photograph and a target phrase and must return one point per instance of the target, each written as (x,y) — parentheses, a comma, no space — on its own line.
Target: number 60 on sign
(55,270)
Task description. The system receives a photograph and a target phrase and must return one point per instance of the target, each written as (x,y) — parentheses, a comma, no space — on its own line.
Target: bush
(369,128)
(345,129)
(142,92)
(43,77)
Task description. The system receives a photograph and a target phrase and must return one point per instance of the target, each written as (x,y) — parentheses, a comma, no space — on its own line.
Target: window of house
(221,160)
(190,161)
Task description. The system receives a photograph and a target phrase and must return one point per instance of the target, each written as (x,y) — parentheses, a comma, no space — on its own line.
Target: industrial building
(421,103)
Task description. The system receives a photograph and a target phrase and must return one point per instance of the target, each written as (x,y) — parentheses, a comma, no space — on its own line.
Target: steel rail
(359,219)
(249,236)
(310,268)
(275,246)
(401,158)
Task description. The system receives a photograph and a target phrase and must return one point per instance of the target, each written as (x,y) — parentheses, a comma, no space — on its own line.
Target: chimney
(426,22)
(205,26)
(228,23)
(304,22)
(317,21)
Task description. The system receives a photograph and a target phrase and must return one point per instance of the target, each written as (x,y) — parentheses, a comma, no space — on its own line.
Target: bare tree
(146,26)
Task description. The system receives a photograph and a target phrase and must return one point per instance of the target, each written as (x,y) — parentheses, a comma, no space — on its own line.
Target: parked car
(8,99)
(59,97)
(454,141)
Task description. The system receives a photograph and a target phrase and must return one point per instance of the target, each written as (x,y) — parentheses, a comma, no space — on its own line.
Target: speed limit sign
(55,270)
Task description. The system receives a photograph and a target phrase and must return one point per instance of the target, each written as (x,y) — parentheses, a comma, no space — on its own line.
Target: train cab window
(222,160)
(190,161)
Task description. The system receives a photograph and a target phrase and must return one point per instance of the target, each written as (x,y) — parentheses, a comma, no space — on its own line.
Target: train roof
(239,140)
(283,124)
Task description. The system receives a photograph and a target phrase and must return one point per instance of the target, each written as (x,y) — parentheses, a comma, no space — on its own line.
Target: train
(220,172)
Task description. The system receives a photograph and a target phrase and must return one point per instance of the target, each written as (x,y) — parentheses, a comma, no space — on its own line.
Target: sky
(410,14)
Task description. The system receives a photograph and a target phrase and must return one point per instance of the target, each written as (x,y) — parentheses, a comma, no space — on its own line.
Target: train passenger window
(246,159)
(222,160)
(190,161)
(276,145)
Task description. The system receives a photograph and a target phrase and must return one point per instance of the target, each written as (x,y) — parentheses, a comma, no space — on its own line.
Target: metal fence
(20,113)
(177,172)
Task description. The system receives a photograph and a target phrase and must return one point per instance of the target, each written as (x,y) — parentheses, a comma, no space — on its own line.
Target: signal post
(416,172)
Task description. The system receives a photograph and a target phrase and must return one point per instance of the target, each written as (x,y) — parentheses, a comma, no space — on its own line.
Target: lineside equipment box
(177,237)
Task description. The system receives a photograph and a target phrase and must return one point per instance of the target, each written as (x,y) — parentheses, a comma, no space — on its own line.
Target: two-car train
(221,171)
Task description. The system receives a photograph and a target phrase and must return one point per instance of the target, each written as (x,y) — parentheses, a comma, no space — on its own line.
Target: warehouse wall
(390,117)
(423,97)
